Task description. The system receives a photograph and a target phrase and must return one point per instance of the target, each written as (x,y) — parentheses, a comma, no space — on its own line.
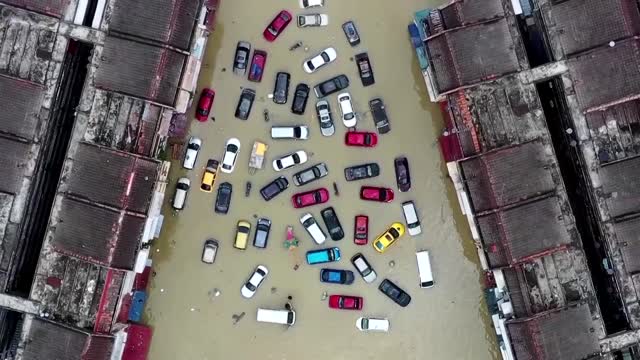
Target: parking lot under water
(448,321)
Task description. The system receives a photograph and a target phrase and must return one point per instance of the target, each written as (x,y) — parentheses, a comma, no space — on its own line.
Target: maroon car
(346,302)
(204,104)
(403,176)
(360,138)
(361,230)
(277,25)
(258,62)
(373,193)
(313,197)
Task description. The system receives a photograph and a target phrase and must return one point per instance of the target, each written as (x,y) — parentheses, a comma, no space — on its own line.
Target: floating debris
(325,295)
(274,290)
(336,192)
(247,189)
(161,290)
(392,263)
(265,113)
(237,317)
(295,46)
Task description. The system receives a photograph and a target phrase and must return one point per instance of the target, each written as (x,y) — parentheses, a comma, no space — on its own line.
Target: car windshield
(182,186)
(348,116)
(272,30)
(365,323)
(379,245)
(279,164)
(232,148)
(193,146)
(250,286)
(367,139)
(206,187)
(296,158)
(310,65)
(382,194)
(243,230)
(297,132)
(341,302)
(325,57)
(285,17)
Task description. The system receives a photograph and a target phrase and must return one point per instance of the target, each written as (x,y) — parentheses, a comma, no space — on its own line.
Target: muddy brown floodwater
(448,321)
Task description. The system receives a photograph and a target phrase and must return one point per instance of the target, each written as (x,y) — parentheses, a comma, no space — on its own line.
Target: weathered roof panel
(54,8)
(620,186)
(20,103)
(471,11)
(13,161)
(47,340)
(628,234)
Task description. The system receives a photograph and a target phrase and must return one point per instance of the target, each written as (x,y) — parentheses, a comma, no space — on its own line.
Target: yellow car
(242,235)
(209,176)
(393,233)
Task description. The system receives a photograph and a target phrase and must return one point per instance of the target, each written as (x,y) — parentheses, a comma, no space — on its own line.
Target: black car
(245,103)
(394,293)
(333,224)
(403,177)
(223,199)
(274,188)
(281,88)
(380,118)
(300,98)
(241,58)
(310,174)
(333,276)
(364,69)
(351,33)
(261,235)
(331,86)
(359,172)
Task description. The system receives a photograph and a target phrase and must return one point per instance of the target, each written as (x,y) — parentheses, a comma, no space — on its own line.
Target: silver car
(324,115)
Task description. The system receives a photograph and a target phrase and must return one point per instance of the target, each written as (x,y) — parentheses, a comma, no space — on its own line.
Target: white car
(193,147)
(231,150)
(346,108)
(364,268)
(372,324)
(252,285)
(299,132)
(305,4)
(326,56)
(287,161)
(313,20)
(312,227)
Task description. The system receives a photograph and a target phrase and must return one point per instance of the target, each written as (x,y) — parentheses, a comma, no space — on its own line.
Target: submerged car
(364,69)
(332,276)
(311,225)
(346,302)
(324,116)
(241,58)
(373,193)
(277,25)
(209,251)
(245,103)
(403,176)
(393,233)
(305,4)
(310,198)
(332,223)
(290,160)
(300,132)
(350,31)
(346,108)
(323,58)
(300,97)
(191,155)
(323,256)
(310,174)
(204,104)
(359,172)
(281,88)
(364,268)
(309,20)
(258,62)
(372,324)
(242,235)
(261,235)
(394,292)
(231,150)
(274,188)
(360,138)
(209,176)
(331,86)
(361,230)
(251,286)
(379,114)
(223,200)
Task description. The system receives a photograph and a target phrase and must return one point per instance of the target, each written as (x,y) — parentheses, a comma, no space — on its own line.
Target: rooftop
(20,103)
(615,131)
(55,8)
(460,13)
(14,156)
(47,340)
(620,186)
(629,242)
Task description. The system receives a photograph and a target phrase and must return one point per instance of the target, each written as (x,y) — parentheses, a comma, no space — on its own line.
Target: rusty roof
(140,70)
(166,21)
(471,54)
(620,186)
(55,8)
(46,340)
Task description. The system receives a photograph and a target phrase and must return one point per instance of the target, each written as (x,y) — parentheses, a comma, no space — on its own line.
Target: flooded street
(448,321)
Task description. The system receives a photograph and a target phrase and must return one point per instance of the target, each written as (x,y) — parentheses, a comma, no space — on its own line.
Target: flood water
(448,321)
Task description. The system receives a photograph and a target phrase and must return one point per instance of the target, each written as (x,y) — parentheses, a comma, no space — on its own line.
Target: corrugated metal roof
(616,131)
(47,340)
(166,21)
(131,179)
(566,334)
(504,177)
(13,162)
(628,236)
(467,55)
(585,24)
(97,234)
(54,8)
(140,70)
(620,186)
(606,75)
(20,103)
(471,11)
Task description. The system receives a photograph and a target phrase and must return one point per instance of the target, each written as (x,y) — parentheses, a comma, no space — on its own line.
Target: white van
(424,269)
(312,227)
(290,132)
(180,196)
(285,317)
(411,216)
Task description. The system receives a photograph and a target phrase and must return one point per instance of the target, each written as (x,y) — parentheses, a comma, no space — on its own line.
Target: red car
(204,104)
(346,302)
(277,25)
(361,230)
(373,193)
(258,62)
(313,197)
(361,138)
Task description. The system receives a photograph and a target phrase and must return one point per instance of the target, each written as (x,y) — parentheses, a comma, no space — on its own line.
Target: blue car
(323,256)
(333,276)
